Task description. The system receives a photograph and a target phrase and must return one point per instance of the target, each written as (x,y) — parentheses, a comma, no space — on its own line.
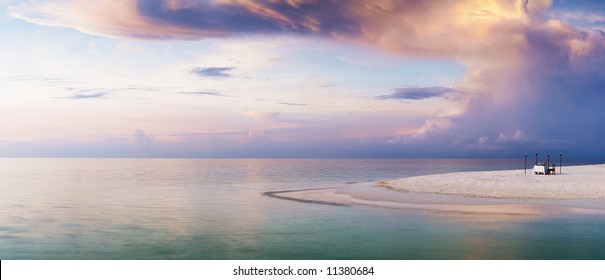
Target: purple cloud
(88,95)
(220,72)
(416,93)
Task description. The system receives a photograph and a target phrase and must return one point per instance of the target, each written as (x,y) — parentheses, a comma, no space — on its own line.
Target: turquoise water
(214,209)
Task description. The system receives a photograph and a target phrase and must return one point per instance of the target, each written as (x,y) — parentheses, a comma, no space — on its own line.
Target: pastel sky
(302,78)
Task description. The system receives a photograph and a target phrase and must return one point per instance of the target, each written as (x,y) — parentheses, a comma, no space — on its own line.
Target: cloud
(416,93)
(274,131)
(292,104)
(221,72)
(409,27)
(403,26)
(528,70)
(262,116)
(189,19)
(204,93)
(88,95)
(34,78)
(142,140)
(103,92)
(99,93)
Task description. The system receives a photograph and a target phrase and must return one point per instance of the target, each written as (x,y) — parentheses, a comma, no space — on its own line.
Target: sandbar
(579,190)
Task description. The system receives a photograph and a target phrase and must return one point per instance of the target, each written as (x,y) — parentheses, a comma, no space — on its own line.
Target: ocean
(204,209)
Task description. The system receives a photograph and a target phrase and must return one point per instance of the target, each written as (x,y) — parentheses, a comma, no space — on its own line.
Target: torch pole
(525,168)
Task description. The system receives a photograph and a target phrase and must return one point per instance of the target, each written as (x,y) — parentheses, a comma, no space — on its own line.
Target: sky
(302,78)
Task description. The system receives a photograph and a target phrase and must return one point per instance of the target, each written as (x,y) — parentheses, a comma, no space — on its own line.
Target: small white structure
(540,169)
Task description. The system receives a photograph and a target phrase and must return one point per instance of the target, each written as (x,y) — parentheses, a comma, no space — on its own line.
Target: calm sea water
(214,209)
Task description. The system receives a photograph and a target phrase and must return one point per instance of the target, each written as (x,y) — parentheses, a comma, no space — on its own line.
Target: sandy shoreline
(511,193)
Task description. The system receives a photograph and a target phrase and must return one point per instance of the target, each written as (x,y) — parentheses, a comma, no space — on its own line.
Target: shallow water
(214,209)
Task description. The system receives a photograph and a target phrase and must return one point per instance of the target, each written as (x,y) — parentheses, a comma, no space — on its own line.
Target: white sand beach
(576,182)
(578,190)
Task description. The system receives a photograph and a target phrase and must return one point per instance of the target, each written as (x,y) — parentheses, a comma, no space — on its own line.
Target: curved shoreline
(279,195)
(508,193)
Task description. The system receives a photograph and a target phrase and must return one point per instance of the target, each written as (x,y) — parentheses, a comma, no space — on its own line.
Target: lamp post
(536,157)
(548,160)
(525,168)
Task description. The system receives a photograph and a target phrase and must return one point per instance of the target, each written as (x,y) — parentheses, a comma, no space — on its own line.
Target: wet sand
(580,190)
